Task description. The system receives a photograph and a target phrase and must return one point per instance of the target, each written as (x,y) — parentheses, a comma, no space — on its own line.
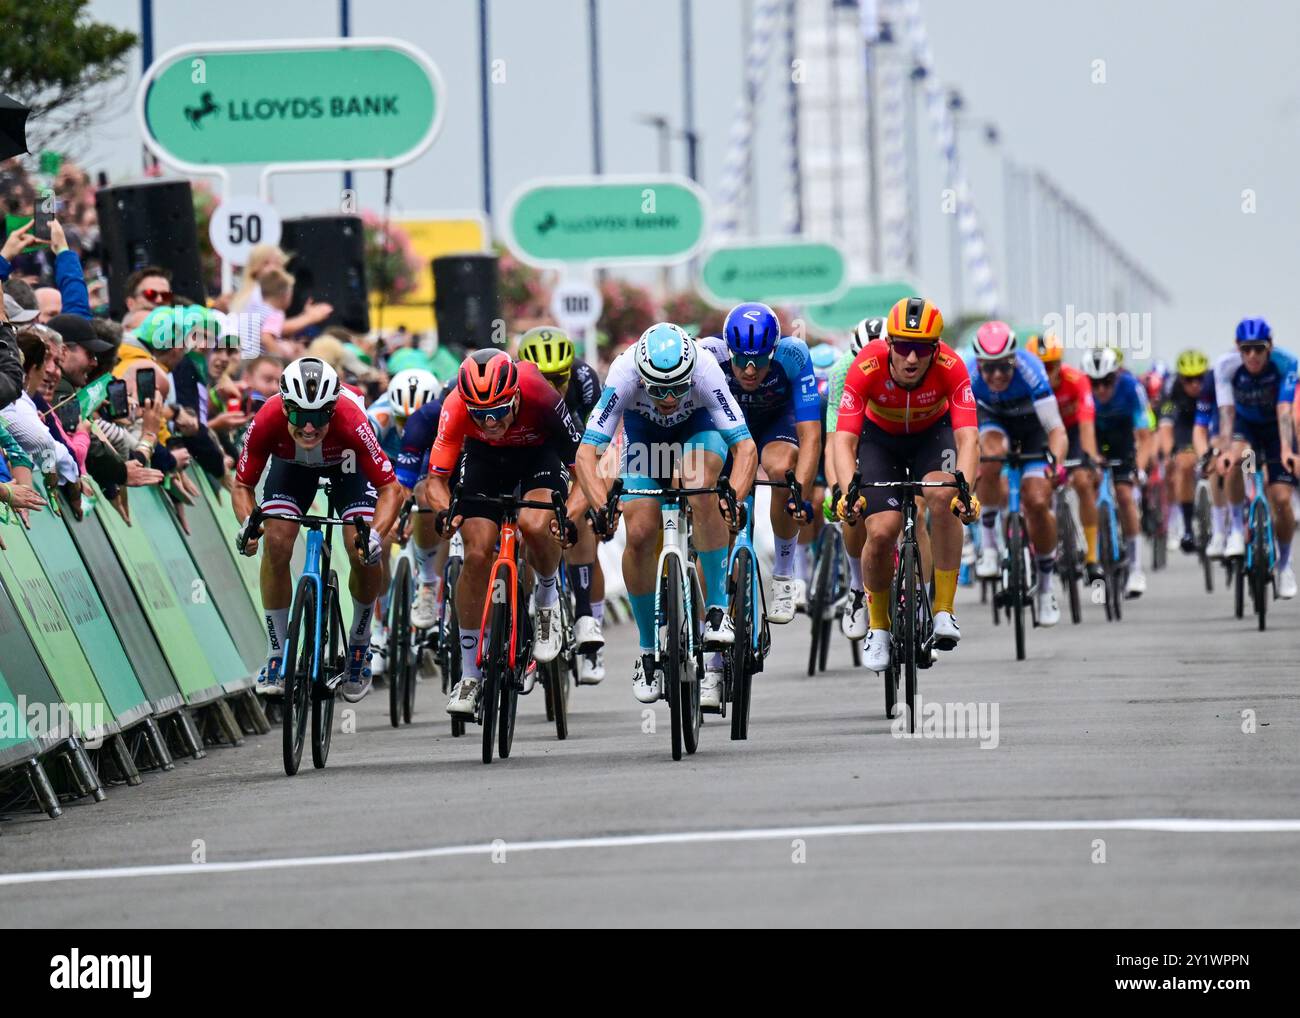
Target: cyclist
(1255,385)
(676,409)
(1017,406)
(906,404)
(771,377)
(1123,433)
(516,433)
(853,623)
(313,430)
(1073,394)
(1206,442)
(552,351)
(1179,412)
(390,415)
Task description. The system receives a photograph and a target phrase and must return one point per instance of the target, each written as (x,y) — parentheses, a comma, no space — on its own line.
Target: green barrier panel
(51,633)
(16,745)
(222,511)
(215,558)
(27,678)
(168,620)
(153,517)
(123,608)
(53,546)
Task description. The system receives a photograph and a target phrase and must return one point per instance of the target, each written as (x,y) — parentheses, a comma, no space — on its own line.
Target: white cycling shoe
(719,630)
(547,638)
(270,681)
(355,687)
(875,652)
(1286,583)
(424,609)
(853,623)
(989,564)
(379,656)
(588,634)
(1236,546)
(1218,541)
(591,666)
(1049,612)
(1137,584)
(530,678)
(800,595)
(644,686)
(711,690)
(947,634)
(781,608)
(463,697)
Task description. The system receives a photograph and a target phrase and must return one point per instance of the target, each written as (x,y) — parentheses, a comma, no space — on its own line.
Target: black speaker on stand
(327,258)
(465,301)
(149,223)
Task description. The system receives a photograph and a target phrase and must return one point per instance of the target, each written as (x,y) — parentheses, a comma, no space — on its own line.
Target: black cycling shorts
(495,470)
(885,457)
(291,488)
(1120,445)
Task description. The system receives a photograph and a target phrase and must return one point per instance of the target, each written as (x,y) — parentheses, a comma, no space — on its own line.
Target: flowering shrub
(521,289)
(693,313)
(629,310)
(392,268)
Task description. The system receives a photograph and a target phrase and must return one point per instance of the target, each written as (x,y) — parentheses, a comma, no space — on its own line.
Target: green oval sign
(780,271)
(316,102)
(864,300)
(655,221)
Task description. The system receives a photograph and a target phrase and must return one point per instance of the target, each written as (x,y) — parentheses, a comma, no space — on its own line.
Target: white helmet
(309,384)
(665,355)
(411,389)
(867,330)
(1099,362)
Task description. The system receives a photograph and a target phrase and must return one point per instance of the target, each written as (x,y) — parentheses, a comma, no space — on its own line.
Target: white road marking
(1173,825)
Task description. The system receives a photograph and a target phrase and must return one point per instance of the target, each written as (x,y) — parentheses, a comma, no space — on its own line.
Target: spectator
(24,419)
(11,365)
(25,297)
(260,259)
(262,318)
(50,302)
(203,329)
(148,288)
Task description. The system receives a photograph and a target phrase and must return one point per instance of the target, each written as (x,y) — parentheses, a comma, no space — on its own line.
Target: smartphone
(117,402)
(41,224)
(146,384)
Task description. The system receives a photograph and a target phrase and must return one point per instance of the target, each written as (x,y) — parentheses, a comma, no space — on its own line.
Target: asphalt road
(822,818)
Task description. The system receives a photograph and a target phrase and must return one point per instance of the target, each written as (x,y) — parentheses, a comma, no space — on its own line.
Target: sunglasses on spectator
(758,360)
(1255,348)
(668,391)
(491,414)
(300,418)
(906,347)
(997,368)
(157,296)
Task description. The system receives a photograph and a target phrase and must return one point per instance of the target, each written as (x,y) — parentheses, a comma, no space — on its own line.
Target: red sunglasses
(157,296)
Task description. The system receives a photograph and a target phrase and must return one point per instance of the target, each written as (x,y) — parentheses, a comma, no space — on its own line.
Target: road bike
(407,645)
(1202,519)
(1071,551)
(559,675)
(1015,586)
(826,593)
(1254,572)
(1112,556)
(1155,516)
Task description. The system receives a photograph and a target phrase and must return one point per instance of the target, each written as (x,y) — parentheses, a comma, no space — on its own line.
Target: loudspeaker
(150,223)
(327,257)
(465,301)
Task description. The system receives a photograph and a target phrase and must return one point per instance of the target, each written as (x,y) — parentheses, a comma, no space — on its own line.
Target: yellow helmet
(1048,347)
(549,348)
(915,318)
(1192,364)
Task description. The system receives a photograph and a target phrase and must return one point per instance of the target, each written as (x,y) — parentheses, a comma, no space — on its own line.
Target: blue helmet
(824,356)
(752,328)
(1254,330)
(665,355)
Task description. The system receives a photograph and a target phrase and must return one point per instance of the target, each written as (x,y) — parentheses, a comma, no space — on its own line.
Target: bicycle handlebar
(253,526)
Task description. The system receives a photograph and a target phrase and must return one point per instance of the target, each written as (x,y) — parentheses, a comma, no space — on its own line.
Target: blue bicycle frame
(312,569)
(1106,504)
(745,539)
(1257,497)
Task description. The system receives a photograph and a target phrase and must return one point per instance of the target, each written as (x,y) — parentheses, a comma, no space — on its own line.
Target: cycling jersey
(624,394)
(384,421)
(835,388)
(1074,397)
(1126,410)
(1255,396)
(542,419)
(870,393)
(349,440)
(583,391)
(1026,402)
(412,460)
(789,382)
(1184,412)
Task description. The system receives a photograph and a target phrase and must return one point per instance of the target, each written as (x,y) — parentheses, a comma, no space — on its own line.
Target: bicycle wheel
(671,655)
(905,629)
(299,652)
(559,671)
(1259,555)
(449,639)
(693,667)
(509,690)
(495,675)
(819,596)
(399,640)
(1106,558)
(738,657)
(1069,557)
(1238,567)
(1202,516)
(335,658)
(1016,580)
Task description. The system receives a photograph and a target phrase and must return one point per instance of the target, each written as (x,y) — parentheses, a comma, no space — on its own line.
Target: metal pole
(957,299)
(485,106)
(873,187)
(146,58)
(688,90)
(345,29)
(913,172)
(792,112)
(1015,295)
(593,41)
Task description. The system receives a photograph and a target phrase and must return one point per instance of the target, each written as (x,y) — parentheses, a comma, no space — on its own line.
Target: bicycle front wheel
(905,629)
(819,598)
(1259,556)
(738,657)
(299,653)
(1069,557)
(399,640)
(495,675)
(1016,587)
(1203,530)
(335,660)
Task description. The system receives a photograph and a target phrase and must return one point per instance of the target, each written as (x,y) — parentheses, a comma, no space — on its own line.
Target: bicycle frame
(676,521)
(1107,504)
(507,560)
(1252,469)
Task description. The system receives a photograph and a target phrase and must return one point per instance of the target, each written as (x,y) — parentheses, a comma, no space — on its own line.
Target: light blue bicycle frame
(1106,504)
(1252,467)
(745,539)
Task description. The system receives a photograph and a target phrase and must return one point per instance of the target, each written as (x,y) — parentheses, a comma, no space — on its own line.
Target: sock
(598,610)
(1134,556)
(581,576)
(1189,514)
(802,556)
(1090,538)
(424,562)
(1046,567)
(277,626)
(548,589)
(1283,555)
(1219,517)
(1238,511)
(855,573)
(989,521)
(714,564)
(363,614)
(383,606)
(643,610)
(945,589)
(878,609)
(784,564)
(469,653)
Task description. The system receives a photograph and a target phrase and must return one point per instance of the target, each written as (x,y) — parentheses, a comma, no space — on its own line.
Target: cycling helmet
(1099,362)
(309,384)
(1254,330)
(1155,386)
(995,341)
(549,348)
(867,330)
(487,378)
(1048,347)
(824,356)
(665,356)
(915,318)
(752,329)
(411,389)
(1192,364)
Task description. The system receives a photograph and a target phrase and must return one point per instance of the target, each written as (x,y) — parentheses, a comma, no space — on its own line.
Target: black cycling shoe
(1188,544)
(1095,572)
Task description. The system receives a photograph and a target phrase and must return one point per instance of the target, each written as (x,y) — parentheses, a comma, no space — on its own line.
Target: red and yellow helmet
(487,378)
(1048,347)
(915,318)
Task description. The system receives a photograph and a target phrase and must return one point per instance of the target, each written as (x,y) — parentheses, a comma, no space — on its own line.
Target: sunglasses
(1104,383)
(157,296)
(1255,348)
(301,418)
(668,391)
(906,347)
(997,368)
(744,360)
(491,414)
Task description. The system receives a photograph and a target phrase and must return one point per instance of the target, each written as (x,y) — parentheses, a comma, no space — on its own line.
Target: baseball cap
(18,314)
(75,329)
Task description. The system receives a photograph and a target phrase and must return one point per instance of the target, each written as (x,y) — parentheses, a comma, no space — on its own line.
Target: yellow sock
(945,589)
(1090,535)
(878,609)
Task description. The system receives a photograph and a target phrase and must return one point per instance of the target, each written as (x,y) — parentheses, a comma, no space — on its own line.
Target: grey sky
(1202,100)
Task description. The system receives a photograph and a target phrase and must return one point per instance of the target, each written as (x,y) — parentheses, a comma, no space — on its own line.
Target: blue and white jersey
(384,421)
(625,393)
(789,382)
(1255,396)
(1128,408)
(1028,395)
